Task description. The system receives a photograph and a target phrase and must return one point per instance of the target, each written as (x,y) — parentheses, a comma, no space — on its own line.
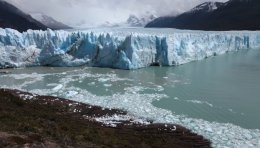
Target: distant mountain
(134,21)
(186,18)
(131,21)
(49,21)
(161,22)
(12,17)
(232,15)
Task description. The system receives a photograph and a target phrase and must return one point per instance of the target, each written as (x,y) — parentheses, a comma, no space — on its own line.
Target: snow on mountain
(12,17)
(118,48)
(184,20)
(206,7)
(135,21)
(49,21)
(231,15)
(132,21)
(231,1)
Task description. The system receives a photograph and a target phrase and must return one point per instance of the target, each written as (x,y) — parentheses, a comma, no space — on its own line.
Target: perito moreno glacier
(118,48)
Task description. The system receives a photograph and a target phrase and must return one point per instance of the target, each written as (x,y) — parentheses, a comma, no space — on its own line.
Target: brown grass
(51,122)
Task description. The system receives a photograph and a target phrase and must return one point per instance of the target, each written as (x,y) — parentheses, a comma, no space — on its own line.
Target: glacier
(121,48)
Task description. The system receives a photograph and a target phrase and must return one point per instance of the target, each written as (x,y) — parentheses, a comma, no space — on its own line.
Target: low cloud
(94,12)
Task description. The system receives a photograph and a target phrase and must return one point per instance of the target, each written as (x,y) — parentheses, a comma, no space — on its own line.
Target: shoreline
(29,120)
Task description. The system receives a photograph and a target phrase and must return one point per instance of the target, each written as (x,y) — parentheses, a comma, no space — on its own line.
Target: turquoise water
(228,87)
(224,89)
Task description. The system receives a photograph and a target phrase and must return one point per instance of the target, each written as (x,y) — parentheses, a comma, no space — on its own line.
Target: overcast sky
(95,12)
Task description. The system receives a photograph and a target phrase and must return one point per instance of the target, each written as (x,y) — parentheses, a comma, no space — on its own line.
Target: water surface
(210,97)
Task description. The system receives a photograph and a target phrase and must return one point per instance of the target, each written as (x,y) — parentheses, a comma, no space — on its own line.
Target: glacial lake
(222,89)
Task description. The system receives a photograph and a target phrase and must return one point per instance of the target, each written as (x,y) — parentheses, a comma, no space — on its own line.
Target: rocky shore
(29,120)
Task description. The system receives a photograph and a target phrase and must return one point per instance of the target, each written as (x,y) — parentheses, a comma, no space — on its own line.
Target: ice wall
(124,49)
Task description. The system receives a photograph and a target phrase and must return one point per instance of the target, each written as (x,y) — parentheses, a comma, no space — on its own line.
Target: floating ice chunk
(71,93)
(52,84)
(159,88)
(92,83)
(176,98)
(103,79)
(118,119)
(58,87)
(200,102)
(108,85)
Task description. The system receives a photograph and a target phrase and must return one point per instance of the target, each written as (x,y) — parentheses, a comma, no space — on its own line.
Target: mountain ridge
(231,15)
(49,21)
(12,17)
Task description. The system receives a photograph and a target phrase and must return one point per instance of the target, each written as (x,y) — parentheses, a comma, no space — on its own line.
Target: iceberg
(128,48)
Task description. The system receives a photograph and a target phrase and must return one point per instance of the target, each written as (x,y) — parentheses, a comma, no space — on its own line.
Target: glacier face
(117,48)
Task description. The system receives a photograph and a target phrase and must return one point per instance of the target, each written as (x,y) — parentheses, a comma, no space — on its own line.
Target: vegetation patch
(45,121)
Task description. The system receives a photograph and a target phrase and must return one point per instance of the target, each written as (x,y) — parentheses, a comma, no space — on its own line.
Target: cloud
(93,12)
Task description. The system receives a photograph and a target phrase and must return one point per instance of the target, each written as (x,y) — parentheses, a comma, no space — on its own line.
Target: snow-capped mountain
(134,21)
(12,17)
(186,18)
(231,15)
(49,21)
(131,21)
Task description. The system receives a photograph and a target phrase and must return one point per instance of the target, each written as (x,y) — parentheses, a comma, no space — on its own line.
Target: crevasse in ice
(117,48)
